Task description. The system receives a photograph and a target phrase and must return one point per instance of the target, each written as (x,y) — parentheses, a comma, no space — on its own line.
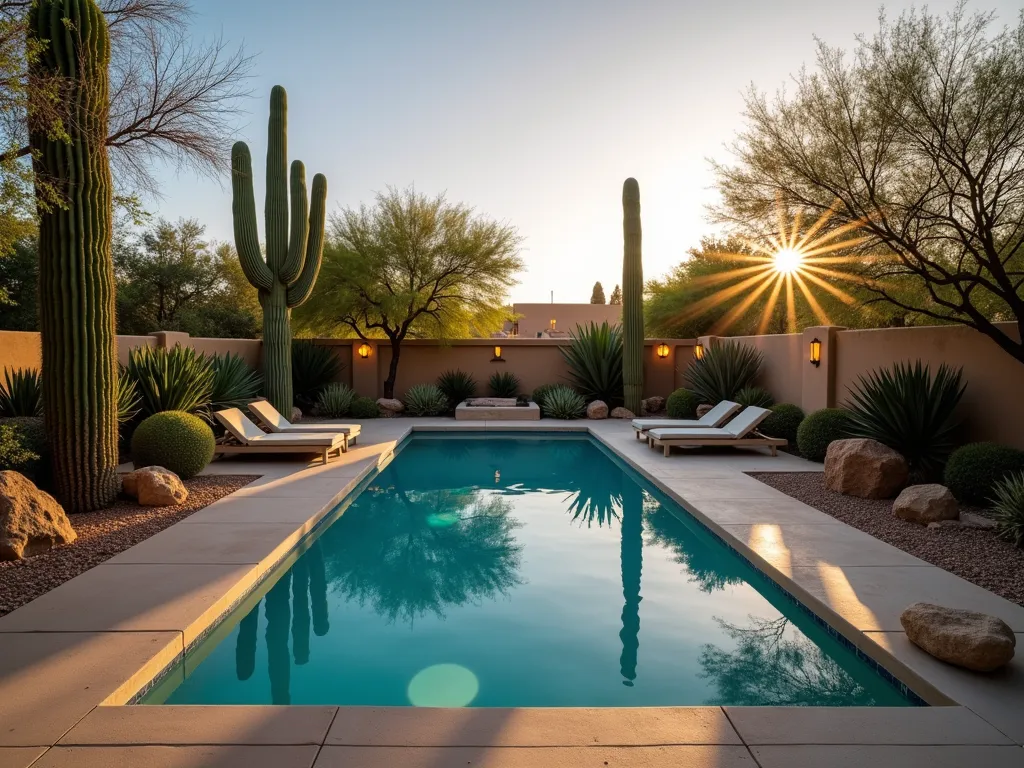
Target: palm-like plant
(313,367)
(911,411)
(724,370)
(21,393)
(457,386)
(178,379)
(595,362)
(235,384)
(504,384)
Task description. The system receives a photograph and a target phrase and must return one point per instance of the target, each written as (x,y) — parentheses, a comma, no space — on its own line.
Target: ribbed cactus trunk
(76,273)
(286,277)
(632,299)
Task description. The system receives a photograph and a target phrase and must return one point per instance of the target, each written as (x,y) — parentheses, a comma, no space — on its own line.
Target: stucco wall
(782,371)
(20,349)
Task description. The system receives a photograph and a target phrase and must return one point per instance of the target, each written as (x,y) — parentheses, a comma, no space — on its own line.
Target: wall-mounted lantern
(698,351)
(815,353)
(663,350)
(497,355)
(552,323)
(364,351)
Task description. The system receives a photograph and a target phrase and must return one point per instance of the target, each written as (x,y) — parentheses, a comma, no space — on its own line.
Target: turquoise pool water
(519,572)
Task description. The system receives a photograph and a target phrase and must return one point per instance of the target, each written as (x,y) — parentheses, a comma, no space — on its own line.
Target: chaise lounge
(244,437)
(741,432)
(714,418)
(271,418)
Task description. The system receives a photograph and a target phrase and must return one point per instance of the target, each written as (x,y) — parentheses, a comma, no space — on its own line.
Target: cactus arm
(276,204)
(247,238)
(299,291)
(300,226)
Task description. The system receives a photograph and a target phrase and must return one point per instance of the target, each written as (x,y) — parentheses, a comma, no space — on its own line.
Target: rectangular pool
(519,572)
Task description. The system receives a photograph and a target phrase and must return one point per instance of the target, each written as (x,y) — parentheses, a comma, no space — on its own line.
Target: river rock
(155,487)
(31,520)
(965,638)
(296,414)
(622,413)
(865,468)
(597,410)
(928,503)
(390,407)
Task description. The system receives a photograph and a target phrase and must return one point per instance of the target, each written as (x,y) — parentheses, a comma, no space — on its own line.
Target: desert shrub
(457,386)
(313,368)
(682,404)
(819,429)
(504,384)
(784,422)
(23,447)
(974,469)
(334,400)
(235,384)
(21,393)
(725,369)
(594,358)
(178,379)
(425,400)
(909,410)
(563,403)
(541,392)
(179,441)
(1008,508)
(756,396)
(363,408)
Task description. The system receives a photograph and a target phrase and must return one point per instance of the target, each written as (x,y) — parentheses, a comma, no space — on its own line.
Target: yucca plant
(563,403)
(21,393)
(235,384)
(178,379)
(128,399)
(595,362)
(756,396)
(334,400)
(911,411)
(1008,508)
(313,367)
(542,391)
(504,384)
(725,369)
(457,386)
(425,400)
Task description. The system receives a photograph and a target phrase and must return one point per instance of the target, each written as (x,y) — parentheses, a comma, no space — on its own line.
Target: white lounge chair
(716,417)
(271,418)
(741,432)
(245,437)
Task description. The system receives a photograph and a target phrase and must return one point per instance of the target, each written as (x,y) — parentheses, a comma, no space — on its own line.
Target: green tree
(917,140)
(616,295)
(412,267)
(19,287)
(597,295)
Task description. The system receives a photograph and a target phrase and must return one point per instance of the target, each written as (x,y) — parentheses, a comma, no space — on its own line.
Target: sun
(788,260)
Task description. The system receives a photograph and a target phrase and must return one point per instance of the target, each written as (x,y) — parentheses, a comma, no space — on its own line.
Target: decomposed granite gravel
(101,535)
(976,555)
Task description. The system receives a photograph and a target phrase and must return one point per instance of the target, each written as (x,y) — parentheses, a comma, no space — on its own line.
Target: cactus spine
(632,298)
(76,274)
(285,279)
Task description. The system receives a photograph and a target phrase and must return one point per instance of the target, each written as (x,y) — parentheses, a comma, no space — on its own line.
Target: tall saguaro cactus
(632,298)
(285,279)
(76,273)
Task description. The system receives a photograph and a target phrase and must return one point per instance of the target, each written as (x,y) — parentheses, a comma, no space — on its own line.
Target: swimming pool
(519,571)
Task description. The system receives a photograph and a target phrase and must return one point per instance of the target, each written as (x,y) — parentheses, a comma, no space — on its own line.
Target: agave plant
(724,370)
(21,393)
(128,398)
(756,396)
(235,384)
(334,400)
(563,403)
(425,400)
(595,362)
(178,379)
(1008,508)
(313,368)
(911,411)
(457,386)
(504,384)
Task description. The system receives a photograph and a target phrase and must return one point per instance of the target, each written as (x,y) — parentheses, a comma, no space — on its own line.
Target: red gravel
(103,534)
(972,554)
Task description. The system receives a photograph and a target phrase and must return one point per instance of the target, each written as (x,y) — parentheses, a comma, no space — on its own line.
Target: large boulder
(155,487)
(597,410)
(652,404)
(965,638)
(866,468)
(390,407)
(622,413)
(31,520)
(928,503)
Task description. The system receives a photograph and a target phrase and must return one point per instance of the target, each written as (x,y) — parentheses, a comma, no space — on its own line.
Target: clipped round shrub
(682,404)
(974,469)
(175,440)
(783,422)
(563,403)
(364,408)
(334,400)
(425,400)
(819,429)
(541,392)
(756,396)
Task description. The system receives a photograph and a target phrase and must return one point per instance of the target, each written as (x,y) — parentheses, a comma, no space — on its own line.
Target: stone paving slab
(223,543)
(179,757)
(19,757)
(530,727)
(782,511)
(260,509)
(889,757)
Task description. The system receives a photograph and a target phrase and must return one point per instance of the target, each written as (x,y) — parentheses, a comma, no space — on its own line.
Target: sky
(532,112)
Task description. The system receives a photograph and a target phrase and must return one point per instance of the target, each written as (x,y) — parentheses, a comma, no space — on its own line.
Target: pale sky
(531,111)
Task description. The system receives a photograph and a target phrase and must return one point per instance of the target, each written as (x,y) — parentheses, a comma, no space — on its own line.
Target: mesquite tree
(632,298)
(285,279)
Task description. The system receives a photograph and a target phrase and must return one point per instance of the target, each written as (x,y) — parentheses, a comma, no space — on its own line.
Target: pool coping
(716,492)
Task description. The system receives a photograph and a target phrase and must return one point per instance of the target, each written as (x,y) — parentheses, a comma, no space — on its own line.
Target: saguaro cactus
(76,273)
(285,279)
(632,298)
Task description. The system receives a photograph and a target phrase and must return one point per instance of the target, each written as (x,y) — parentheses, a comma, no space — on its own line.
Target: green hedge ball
(175,440)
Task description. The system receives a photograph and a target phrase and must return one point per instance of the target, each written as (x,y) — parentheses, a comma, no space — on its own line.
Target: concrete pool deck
(72,657)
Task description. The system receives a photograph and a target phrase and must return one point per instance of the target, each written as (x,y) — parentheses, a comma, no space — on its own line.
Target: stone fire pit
(496,408)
